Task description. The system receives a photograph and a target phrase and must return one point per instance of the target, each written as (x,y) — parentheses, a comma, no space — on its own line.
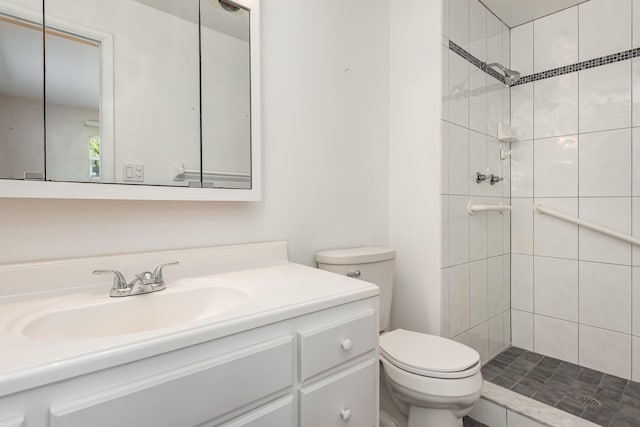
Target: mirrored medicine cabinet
(130,99)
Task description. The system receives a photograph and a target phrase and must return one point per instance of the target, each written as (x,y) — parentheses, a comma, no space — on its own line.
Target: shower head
(510,76)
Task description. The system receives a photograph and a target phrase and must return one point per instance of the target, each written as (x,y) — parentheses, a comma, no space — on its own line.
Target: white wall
(414,159)
(575,293)
(325,136)
(475,256)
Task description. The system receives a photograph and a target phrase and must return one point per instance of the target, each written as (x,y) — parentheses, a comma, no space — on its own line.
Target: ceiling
(518,12)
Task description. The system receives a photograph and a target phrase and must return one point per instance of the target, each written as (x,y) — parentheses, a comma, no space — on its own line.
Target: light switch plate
(133,172)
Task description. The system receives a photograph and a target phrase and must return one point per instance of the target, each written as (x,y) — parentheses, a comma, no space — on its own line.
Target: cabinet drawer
(327,346)
(275,414)
(344,400)
(188,395)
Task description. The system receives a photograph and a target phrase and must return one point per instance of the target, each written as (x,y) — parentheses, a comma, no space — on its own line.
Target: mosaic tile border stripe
(475,61)
(579,66)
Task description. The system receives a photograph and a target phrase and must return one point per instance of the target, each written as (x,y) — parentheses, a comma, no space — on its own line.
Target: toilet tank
(371,264)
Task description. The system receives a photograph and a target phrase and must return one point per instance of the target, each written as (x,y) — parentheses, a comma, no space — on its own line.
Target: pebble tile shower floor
(604,399)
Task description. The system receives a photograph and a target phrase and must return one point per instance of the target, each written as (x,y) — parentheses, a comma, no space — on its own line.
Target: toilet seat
(428,355)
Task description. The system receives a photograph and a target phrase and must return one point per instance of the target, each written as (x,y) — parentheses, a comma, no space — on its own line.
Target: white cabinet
(319,369)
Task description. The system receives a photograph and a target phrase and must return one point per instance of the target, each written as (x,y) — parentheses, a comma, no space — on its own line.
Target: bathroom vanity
(286,345)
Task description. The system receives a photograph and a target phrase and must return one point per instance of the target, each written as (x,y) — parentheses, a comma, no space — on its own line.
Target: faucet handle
(119,282)
(157,273)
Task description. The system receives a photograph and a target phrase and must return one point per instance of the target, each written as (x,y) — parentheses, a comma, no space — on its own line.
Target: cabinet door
(189,395)
(346,399)
(275,414)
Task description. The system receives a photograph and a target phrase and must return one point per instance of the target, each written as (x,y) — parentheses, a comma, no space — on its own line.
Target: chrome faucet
(142,284)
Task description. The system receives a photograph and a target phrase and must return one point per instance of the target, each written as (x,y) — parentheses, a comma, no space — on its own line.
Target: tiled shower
(524,278)
(476,261)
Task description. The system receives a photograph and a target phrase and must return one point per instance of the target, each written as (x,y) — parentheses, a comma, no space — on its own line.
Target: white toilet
(434,381)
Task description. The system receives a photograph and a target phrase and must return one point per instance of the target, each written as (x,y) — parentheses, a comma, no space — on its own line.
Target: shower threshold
(601,398)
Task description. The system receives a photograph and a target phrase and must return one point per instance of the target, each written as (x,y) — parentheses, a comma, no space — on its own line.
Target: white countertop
(278,292)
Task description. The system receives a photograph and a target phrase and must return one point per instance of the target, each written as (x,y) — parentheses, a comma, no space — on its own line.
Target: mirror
(137,92)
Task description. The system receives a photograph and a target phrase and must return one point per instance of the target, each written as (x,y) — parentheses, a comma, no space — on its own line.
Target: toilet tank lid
(362,255)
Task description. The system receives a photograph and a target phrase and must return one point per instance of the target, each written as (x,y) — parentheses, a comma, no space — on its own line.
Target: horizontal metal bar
(540,208)
(487,208)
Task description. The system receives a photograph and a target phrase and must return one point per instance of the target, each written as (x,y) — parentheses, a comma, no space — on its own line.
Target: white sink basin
(106,316)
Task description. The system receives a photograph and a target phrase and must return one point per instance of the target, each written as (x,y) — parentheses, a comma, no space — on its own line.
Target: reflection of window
(94,157)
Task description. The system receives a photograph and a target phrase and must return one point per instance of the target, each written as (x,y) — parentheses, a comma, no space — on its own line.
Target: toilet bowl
(434,381)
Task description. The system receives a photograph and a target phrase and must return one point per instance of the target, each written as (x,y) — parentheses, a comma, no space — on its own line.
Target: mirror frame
(97,191)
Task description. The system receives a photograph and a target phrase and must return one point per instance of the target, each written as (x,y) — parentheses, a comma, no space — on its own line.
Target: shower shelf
(472,209)
(540,208)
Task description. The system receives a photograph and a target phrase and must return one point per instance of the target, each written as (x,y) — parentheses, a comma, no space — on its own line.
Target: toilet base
(426,417)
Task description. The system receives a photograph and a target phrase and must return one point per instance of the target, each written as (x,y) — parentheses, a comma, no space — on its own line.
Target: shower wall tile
(478,231)
(496,166)
(616,360)
(605,97)
(555,163)
(494,106)
(555,338)
(459,22)
(522,48)
(506,227)
(635,90)
(635,226)
(477,30)
(522,169)
(556,40)
(605,27)
(458,230)
(554,238)
(605,296)
(506,328)
(606,151)
(635,304)
(522,226)
(556,288)
(445,82)
(479,341)
(458,144)
(522,111)
(635,160)
(522,282)
(635,362)
(444,163)
(522,329)
(495,285)
(506,283)
(477,163)
(635,24)
(445,230)
(496,335)
(495,229)
(506,105)
(479,292)
(458,89)
(477,99)
(555,106)
(458,299)
(612,212)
